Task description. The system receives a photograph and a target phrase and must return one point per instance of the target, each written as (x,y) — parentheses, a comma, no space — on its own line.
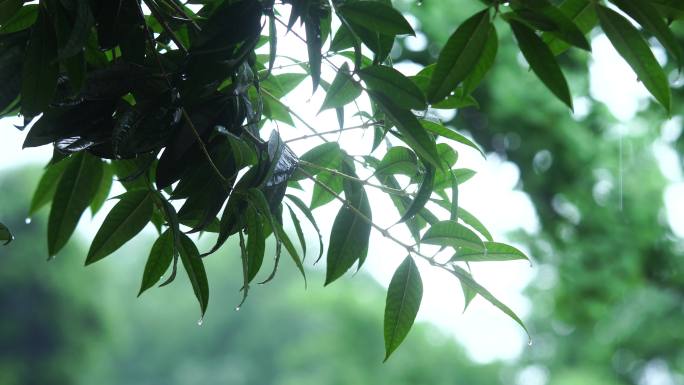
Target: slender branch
(165,26)
(337,131)
(289,110)
(389,190)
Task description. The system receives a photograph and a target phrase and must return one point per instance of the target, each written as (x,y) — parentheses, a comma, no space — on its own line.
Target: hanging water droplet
(50,258)
(237,308)
(529,342)
(27,220)
(200,321)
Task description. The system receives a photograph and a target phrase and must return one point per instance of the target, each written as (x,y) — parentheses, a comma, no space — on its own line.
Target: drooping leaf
(350,232)
(159,260)
(394,86)
(24,18)
(647,15)
(47,186)
(453,234)
(298,229)
(302,207)
(322,196)
(103,191)
(76,189)
(542,61)
(633,48)
(128,217)
(580,12)
(256,242)
(376,16)
(467,280)
(194,267)
(547,17)
(404,294)
(326,155)
(487,57)
(492,251)
(459,56)
(423,195)
(289,246)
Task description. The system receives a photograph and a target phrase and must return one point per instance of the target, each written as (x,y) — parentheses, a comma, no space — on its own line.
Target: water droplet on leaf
(237,308)
(200,321)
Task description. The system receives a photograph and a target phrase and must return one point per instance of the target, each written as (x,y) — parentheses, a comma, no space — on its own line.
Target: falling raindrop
(27,220)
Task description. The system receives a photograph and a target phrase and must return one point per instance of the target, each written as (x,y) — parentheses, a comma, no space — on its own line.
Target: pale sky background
(491,195)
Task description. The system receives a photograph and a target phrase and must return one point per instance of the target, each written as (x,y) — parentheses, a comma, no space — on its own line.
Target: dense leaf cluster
(169,99)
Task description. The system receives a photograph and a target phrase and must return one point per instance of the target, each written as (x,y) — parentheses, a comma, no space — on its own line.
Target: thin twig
(337,131)
(289,110)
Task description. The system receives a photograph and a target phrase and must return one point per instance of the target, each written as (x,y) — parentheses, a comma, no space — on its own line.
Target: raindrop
(529,342)
(27,220)
(237,308)
(200,321)
(50,258)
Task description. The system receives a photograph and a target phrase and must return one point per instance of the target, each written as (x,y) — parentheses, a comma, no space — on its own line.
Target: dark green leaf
(404,294)
(487,57)
(559,24)
(298,229)
(39,74)
(398,160)
(423,195)
(194,267)
(9,8)
(47,186)
(647,15)
(412,133)
(158,262)
(493,251)
(103,191)
(256,242)
(75,190)
(320,195)
(22,19)
(289,246)
(394,86)
(128,217)
(459,56)
(542,61)
(453,234)
(376,16)
(633,48)
(80,30)
(581,12)
(350,232)
(326,155)
(343,90)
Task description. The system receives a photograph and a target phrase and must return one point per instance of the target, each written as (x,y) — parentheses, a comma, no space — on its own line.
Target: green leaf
(128,217)
(298,229)
(350,233)
(542,61)
(9,8)
(453,234)
(326,155)
(440,130)
(75,190)
(5,235)
(343,90)
(633,48)
(40,70)
(467,280)
(376,16)
(459,56)
(493,251)
(404,295)
(559,24)
(80,30)
(256,243)
(647,15)
(487,57)
(194,267)
(103,191)
(468,293)
(412,133)
(158,262)
(320,195)
(581,13)
(289,246)
(302,207)
(22,19)
(470,220)
(398,160)
(423,195)
(394,86)
(47,186)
